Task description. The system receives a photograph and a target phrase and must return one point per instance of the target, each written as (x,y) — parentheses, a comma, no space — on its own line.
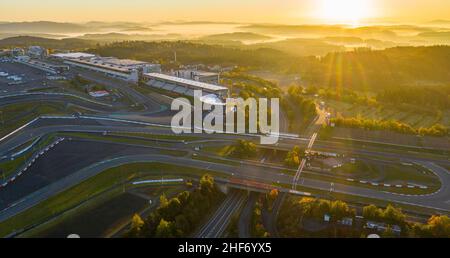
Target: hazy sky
(271,11)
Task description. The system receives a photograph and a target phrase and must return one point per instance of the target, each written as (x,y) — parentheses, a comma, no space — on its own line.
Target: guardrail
(30,162)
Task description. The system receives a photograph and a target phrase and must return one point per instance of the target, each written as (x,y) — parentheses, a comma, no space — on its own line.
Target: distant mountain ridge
(66,44)
(236,36)
(43,27)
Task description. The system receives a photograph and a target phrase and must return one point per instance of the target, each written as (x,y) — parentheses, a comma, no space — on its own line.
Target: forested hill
(385,68)
(65,44)
(190,52)
(359,69)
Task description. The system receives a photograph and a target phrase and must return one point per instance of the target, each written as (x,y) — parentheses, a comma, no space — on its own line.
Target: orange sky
(270,11)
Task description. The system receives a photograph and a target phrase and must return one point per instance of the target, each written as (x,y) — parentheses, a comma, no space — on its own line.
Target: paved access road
(245,217)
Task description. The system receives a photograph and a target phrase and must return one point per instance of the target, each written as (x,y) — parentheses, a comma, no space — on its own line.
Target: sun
(344,11)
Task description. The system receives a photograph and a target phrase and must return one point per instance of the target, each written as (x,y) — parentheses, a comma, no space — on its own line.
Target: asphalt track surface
(217,224)
(64,159)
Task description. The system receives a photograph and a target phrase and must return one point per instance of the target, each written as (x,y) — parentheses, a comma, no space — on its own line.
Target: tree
(182,224)
(171,209)
(371,212)
(244,149)
(164,229)
(206,184)
(339,210)
(136,221)
(293,157)
(271,197)
(163,202)
(136,226)
(393,215)
(439,226)
(273,194)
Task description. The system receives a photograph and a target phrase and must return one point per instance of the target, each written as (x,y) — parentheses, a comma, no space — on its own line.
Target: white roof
(197,84)
(212,99)
(120,62)
(74,55)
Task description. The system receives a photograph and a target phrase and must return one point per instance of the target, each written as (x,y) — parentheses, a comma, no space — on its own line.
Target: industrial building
(183,86)
(41,65)
(201,76)
(124,69)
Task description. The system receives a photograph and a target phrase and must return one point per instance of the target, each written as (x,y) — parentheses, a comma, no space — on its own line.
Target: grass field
(388,173)
(222,151)
(16,115)
(409,116)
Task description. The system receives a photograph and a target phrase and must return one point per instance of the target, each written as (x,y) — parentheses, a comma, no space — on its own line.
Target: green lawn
(410,116)
(16,115)
(388,173)
(222,151)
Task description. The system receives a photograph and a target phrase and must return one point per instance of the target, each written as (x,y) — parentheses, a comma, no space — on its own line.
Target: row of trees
(257,226)
(295,210)
(436,226)
(391,125)
(390,215)
(180,215)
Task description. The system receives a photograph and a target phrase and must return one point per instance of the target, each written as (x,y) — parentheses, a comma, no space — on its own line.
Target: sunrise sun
(344,11)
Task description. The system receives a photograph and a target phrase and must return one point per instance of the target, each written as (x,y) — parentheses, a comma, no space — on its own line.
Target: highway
(218,223)
(245,217)
(271,219)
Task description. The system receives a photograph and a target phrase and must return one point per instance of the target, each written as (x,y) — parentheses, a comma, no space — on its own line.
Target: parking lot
(25,77)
